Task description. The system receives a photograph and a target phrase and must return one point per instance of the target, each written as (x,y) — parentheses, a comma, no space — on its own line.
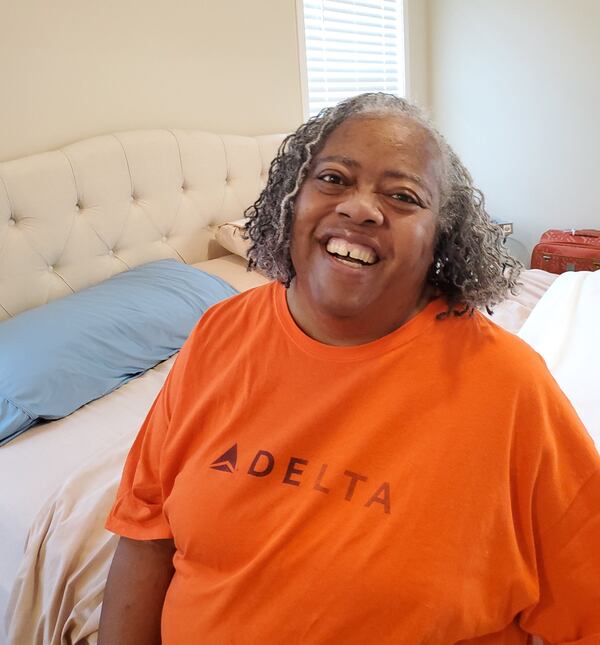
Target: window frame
(303,64)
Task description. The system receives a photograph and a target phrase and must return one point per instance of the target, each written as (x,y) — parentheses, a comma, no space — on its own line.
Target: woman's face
(365,219)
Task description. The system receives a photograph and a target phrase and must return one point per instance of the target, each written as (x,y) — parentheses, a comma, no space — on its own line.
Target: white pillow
(229,236)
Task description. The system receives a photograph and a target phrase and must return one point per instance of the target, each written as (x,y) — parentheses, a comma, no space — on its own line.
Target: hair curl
(471,266)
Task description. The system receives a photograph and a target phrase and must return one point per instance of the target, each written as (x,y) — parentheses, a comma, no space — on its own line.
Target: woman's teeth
(344,249)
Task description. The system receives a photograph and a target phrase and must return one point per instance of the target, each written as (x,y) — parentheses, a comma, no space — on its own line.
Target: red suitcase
(572,250)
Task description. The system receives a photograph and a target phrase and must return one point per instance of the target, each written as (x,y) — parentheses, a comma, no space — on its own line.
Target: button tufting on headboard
(180,187)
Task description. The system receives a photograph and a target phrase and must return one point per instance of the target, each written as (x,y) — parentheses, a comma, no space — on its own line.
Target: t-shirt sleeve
(138,509)
(568,610)
(566,516)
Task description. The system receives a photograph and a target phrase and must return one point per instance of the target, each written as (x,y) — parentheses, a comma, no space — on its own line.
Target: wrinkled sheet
(68,552)
(57,596)
(512,312)
(564,328)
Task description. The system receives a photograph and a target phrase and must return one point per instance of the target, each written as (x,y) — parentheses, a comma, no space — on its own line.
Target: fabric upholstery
(76,216)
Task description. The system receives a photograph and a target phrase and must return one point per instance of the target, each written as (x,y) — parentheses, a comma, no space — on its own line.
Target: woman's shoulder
(236,317)
(501,340)
(241,306)
(478,340)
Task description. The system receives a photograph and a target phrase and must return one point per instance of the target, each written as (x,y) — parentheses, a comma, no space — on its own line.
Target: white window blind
(352,46)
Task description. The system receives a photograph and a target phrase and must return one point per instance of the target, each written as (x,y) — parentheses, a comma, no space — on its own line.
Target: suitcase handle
(585,232)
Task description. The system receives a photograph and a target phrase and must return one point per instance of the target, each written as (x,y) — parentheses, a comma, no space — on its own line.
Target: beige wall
(417,46)
(515,86)
(76,68)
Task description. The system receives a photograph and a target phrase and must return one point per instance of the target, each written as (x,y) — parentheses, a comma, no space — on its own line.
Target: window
(352,46)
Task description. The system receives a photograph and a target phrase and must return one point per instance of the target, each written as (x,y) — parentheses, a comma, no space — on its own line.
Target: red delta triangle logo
(227,461)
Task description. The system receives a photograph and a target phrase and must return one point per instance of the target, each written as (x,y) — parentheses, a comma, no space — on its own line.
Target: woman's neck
(358,329)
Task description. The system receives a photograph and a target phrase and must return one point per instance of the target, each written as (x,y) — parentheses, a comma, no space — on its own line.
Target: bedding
(563,328)
(514,310)
(76,349)
(61,454)
(57,543)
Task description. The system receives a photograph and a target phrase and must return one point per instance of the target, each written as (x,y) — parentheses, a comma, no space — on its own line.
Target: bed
(96,210)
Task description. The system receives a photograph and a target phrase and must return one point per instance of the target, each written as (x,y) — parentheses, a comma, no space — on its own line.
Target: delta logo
(358,488)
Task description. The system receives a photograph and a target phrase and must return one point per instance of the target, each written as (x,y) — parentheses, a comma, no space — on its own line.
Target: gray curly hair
(471,266)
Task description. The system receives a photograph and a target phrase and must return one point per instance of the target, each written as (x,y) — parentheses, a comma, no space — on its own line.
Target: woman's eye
(331,178)
(405,197)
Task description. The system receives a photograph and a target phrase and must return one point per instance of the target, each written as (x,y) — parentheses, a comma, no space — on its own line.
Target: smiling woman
(372,192)
(470,264)
(446,490)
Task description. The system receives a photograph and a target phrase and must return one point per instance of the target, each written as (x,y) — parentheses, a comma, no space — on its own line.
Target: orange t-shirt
(432,486)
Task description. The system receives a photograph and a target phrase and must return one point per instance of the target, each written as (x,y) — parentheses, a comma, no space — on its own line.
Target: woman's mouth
(351,253)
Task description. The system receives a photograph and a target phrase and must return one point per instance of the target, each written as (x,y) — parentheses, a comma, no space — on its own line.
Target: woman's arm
(138,580)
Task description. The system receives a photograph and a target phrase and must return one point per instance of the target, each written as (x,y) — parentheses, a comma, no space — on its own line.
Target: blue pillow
(56,358)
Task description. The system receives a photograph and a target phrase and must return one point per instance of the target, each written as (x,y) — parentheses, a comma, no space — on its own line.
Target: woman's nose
(361,208)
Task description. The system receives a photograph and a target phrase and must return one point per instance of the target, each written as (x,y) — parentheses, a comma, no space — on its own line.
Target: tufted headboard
(76,216)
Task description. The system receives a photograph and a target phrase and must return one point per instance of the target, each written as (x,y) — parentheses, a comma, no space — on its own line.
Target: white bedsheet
(59,450)
(564,328)
(512,312)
